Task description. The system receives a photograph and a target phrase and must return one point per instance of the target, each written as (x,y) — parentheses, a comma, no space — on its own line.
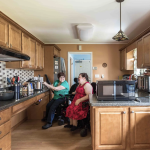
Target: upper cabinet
(39,56)
(146,50)
(4,32)
(123,60)
(14,38)
(140,63)
(25,49)
(32,54)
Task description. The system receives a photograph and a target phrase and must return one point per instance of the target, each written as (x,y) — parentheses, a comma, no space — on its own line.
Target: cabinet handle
(10,46)
(124,112)
(0,118)
(132,111)
(0,132)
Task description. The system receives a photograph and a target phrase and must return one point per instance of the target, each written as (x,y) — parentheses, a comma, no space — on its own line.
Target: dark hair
(85,76)
(60,74)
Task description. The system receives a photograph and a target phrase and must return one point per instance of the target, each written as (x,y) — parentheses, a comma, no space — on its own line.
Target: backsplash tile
(24,75)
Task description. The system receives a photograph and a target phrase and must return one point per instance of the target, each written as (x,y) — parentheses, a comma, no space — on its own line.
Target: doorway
(79,62)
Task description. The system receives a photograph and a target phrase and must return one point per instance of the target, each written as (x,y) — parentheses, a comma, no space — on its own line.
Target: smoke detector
(85,31)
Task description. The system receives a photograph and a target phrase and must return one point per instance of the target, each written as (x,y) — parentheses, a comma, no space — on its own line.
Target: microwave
(115,90)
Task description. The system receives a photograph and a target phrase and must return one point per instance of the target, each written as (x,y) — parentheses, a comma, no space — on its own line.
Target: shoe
(44,119)
(74,128)
(68,126)
(46,126)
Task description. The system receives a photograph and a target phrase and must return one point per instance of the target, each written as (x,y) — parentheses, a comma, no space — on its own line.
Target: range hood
(9,55)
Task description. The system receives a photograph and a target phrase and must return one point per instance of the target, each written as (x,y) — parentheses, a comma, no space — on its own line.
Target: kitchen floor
(30,136)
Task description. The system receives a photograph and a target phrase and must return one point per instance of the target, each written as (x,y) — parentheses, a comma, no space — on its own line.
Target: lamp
(85,31)
(120,36)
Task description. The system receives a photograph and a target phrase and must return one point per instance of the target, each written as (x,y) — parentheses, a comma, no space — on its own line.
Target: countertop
(144,98)
(9,103)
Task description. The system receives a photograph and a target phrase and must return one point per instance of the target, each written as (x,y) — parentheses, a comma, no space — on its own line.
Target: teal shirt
(63,92)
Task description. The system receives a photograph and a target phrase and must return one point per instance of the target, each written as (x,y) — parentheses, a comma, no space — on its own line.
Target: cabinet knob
(124,112)
(0,132)
(132,111)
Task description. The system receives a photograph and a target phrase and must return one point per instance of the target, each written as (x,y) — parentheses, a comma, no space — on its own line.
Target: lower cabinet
(120,128)
(140,127)
(110,128)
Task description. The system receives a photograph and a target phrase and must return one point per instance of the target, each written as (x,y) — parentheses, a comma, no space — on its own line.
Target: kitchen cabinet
(25,49)
(39,56)
(32,53)
(14,38)
(123,60)
(146,50)
(140,127)
(5,127)
(140,54)
(4,32)
(110,128)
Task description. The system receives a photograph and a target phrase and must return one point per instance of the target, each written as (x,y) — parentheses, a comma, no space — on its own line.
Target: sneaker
(46,126)
(74,128)
(68,126)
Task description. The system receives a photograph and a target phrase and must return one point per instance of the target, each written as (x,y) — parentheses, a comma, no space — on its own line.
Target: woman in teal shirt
(60,86)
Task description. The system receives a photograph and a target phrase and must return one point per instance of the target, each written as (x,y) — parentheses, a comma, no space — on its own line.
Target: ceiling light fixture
(120,36)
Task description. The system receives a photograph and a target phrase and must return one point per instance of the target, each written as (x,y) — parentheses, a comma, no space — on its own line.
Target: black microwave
(115,90)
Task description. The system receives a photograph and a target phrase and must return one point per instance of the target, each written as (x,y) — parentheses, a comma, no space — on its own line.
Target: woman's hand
(77,102)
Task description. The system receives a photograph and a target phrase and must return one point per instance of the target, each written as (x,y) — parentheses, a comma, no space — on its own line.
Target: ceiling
(54,21)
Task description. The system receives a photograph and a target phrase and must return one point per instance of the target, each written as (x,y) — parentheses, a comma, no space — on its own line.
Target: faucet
(134,76)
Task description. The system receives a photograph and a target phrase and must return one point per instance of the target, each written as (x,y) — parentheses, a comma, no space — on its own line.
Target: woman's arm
(88,90)
(58,88)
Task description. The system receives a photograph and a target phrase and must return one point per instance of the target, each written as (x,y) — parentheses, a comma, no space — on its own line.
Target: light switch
(94,68)
(102,76)
(96,75)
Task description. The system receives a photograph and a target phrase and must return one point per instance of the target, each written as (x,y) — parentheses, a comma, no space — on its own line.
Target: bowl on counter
(6,95)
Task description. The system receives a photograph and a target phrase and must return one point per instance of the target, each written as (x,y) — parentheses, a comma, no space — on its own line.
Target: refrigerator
(59,66)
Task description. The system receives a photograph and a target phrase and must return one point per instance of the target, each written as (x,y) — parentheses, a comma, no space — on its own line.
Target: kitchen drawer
(23,105)
(5,115)
(5,128)
(40,96)
(5,142)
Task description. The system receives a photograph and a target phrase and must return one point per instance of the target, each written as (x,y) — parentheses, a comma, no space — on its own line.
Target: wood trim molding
(9,20)
(137,38)
(53,45)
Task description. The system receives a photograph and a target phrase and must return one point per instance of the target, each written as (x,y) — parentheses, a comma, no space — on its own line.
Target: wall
(10,73)
(102,53)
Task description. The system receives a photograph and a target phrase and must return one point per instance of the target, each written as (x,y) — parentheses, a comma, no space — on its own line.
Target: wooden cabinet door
(38,57)
(140,53)
(32,54)
(42,57)
(140,127)
(123,60)
(4,33)
(25,49)
(110,128)
(14,38)
(146,50)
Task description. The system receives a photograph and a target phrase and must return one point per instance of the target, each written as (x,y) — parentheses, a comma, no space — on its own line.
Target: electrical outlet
(96,75)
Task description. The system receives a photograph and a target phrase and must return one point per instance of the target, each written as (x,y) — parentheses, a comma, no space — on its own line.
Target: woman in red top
(75,111)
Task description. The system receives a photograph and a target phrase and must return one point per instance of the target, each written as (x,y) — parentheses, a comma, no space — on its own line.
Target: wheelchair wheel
(83,132)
